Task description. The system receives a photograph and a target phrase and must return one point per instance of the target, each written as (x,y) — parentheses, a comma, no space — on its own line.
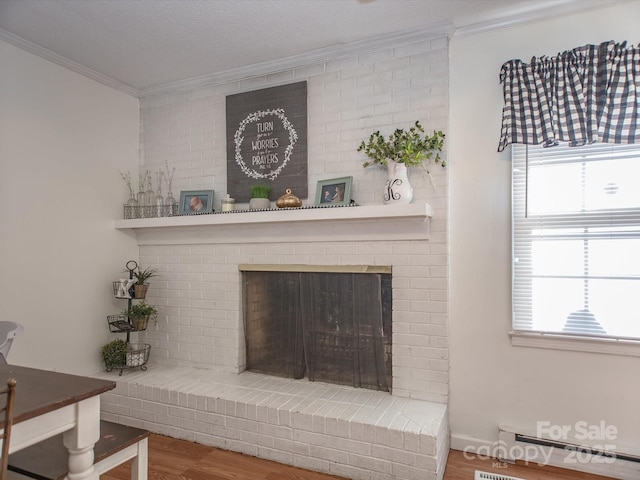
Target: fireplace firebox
(328,326)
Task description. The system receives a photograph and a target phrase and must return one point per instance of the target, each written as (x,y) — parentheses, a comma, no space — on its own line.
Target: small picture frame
(334,191)
(193,202)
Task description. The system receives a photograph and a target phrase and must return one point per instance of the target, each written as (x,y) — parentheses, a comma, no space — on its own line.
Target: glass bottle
(170,202)
(149,195)
(159,202)
(131,207)
(142,201)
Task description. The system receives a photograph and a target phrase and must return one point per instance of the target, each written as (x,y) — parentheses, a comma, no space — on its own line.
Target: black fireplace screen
(331,327)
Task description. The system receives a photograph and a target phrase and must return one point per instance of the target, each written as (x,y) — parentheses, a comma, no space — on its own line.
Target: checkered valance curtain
(585,95)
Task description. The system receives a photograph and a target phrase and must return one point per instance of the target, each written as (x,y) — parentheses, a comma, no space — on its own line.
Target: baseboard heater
(577,448)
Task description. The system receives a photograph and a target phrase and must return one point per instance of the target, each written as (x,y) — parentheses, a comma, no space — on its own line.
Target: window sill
(576,344)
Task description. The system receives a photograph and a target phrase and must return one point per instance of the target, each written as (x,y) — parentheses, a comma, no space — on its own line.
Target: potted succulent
(114,354)
(260,197)
(139,314)
(141,286)
(402,149)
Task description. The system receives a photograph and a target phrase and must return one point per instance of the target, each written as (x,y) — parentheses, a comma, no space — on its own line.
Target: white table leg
(81,439)
(140,463)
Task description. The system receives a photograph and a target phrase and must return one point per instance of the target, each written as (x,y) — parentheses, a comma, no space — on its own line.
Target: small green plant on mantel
(412,147)
(260,197)
(114,354)
(260,191)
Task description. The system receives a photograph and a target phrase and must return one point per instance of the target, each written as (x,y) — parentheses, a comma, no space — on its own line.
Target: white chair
(8,331)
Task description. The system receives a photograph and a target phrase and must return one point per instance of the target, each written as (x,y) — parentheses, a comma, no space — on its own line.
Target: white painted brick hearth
(354,433)
(197,356)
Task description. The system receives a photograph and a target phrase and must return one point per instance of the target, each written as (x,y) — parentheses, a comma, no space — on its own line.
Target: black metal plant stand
(137,354)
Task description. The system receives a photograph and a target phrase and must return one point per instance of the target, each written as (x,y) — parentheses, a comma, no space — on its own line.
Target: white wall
(63,139)
(492,382)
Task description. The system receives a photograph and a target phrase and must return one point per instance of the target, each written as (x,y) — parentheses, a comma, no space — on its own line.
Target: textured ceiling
(146,43)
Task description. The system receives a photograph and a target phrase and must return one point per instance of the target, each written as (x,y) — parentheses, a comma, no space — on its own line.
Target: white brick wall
(348,99)
(198,294)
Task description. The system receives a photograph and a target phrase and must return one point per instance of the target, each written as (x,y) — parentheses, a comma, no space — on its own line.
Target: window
(576,241)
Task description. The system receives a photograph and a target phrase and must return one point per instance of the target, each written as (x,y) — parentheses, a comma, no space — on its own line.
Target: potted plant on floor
(402,149)
(114,354)
(139,314)
(260,197)
(141,286)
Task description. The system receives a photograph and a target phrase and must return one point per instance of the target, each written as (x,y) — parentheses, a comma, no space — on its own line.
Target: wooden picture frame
(193,202)
(334,191)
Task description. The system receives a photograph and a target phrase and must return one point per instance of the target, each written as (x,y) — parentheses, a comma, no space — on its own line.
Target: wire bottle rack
(149,211)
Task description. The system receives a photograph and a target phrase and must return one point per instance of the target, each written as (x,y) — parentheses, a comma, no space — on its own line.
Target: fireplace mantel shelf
(368,222)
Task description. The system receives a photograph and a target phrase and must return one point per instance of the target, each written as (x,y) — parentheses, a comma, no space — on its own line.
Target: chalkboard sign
(267,141)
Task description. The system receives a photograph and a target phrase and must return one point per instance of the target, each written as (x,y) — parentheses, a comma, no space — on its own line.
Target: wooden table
(48,460)
(49,403)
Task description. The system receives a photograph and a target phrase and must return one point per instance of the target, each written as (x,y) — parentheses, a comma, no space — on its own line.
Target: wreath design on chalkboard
(239,138)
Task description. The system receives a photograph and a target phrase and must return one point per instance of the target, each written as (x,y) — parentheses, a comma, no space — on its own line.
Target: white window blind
(576,240)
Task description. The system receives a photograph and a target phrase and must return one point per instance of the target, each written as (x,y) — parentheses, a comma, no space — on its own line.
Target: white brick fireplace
(198,292)
(195,387)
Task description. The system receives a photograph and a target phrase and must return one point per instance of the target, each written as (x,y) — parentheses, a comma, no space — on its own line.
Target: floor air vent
(493,476)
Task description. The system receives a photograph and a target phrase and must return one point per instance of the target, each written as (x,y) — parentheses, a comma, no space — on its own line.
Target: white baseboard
(468,444)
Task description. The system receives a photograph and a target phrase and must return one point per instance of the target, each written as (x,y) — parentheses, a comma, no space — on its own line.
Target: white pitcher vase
(398,190)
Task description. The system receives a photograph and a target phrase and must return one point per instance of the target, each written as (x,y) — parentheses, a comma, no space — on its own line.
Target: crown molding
(306,59)
(545,11)
(47,54)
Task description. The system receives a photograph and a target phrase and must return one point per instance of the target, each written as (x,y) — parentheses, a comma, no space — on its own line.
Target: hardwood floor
(459,468)
(171,459)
